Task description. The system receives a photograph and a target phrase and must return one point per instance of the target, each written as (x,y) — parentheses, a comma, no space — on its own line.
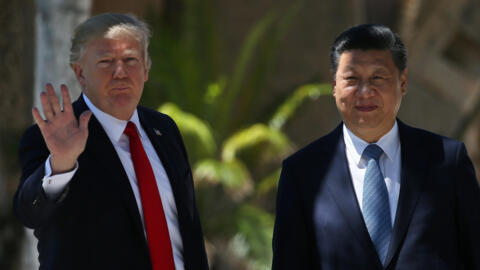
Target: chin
(124,100)
(367,123)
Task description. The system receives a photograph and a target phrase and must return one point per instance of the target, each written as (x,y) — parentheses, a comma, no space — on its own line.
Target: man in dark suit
(106,184)
(376,193)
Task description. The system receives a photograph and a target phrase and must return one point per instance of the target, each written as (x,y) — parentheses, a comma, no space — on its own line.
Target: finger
(67,102)
(38,118)
(84,119)
(52,96)
(47,108)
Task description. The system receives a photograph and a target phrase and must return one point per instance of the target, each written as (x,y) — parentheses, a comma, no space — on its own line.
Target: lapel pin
(157,132)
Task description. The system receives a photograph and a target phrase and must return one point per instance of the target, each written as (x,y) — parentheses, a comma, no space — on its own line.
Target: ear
(145,77)
(334,81)
(78,70)
(404,81)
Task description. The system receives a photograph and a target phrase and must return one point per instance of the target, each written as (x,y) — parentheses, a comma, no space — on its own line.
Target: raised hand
(64,135)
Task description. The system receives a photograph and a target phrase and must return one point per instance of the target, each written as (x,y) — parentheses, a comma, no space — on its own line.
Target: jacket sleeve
(291,247)
(468,203)
(31,205)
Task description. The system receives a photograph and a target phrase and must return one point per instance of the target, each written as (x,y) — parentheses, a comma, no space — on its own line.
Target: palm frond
(255,81)
(231,174)
(268,183)
(214,90)
(254,135)
(286,110)
(246,54)
(189,124)
(255,229)
(240,70)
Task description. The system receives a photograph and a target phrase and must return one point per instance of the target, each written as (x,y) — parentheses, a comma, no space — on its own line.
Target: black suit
(95,223)
(319,224)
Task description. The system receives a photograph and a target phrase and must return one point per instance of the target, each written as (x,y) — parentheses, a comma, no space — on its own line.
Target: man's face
(112,72)
(368,89)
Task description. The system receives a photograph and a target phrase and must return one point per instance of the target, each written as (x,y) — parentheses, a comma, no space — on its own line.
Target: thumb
(83,120)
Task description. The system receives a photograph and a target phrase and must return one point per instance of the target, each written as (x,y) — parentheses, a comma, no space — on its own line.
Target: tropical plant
(233,211)
(235,154)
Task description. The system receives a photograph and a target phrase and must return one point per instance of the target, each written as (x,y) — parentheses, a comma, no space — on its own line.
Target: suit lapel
(100,148)
(414,172)
(340,185)
(164,146)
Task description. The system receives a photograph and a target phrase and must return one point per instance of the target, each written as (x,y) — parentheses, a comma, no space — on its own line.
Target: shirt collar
(390,143)
(113,127)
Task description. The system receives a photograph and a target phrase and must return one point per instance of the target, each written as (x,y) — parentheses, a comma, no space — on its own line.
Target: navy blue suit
(319,224)
(95,223)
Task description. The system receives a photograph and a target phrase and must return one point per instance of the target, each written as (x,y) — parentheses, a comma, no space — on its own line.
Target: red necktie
(155,224)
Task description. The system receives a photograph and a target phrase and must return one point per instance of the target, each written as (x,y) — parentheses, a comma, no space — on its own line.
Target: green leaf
(231,174)
(246,54)
(268,183)
(214,90)
(252,136)
(190,124)
(286,110)
(240,68)
(255,230)
(264,57)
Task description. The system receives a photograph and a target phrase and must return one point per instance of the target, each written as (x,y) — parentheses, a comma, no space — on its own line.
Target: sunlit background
(248,83)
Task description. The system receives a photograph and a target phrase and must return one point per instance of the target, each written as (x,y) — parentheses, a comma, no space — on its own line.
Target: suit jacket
(319,224)
(95,223)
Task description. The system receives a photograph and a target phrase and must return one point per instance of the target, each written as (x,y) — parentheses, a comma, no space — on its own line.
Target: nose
(365,88)
(119,71)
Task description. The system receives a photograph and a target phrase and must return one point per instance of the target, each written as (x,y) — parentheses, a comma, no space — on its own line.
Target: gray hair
(110,25)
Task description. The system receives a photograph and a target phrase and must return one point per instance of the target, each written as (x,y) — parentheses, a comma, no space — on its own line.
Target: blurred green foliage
(235,156)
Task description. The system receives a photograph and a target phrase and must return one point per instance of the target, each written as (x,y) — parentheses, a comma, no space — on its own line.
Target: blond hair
(110,25)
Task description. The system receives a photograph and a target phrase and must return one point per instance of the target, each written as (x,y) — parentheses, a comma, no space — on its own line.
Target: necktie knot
(130,130)
(372,151)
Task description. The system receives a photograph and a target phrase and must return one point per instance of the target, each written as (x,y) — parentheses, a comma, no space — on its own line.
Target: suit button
(35,202)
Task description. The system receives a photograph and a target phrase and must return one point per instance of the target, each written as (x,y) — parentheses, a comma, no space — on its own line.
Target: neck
(370,135)
(123,113)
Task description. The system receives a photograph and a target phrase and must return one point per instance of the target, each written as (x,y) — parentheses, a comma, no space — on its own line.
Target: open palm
(64,135)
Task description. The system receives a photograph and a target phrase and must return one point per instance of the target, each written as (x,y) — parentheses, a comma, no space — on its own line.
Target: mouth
(120,88)
(366,108)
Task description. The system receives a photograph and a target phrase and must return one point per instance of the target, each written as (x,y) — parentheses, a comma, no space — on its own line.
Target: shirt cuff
(54,185)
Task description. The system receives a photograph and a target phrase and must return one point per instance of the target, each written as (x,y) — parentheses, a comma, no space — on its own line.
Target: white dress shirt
(54,185)
(390,164)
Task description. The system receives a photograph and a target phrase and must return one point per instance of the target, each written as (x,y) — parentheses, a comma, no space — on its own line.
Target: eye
(131,60)
(350,78)
(104,62)
(377,77)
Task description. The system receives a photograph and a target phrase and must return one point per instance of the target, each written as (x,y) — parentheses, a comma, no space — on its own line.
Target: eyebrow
(128,52)
(132,52)
(377,68)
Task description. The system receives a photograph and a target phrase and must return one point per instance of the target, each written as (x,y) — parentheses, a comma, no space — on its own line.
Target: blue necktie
(375,204)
